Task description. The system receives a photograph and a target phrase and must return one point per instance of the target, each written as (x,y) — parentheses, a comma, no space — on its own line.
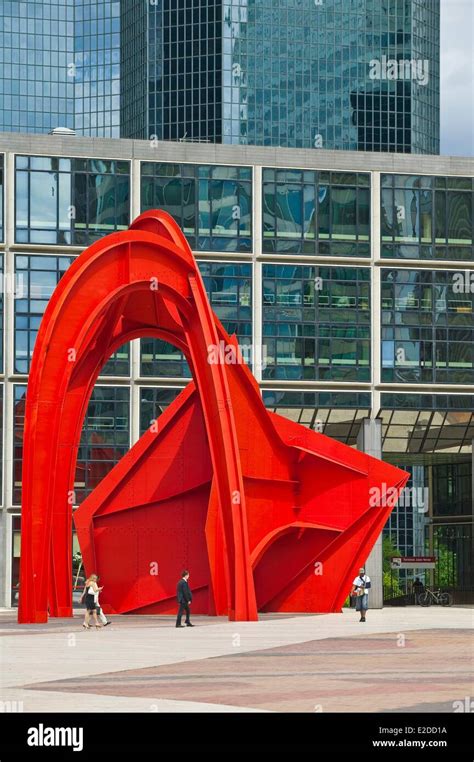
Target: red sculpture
(267,515)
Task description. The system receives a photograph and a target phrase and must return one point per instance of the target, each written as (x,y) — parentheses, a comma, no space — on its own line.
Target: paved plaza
(402,659)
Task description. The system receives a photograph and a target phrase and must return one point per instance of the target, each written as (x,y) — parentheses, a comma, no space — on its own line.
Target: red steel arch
(265,497)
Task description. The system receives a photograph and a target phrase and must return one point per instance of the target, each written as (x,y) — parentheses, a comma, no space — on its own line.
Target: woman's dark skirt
(90,602)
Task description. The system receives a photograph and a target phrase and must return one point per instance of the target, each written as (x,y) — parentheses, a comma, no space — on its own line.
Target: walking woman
(91,591)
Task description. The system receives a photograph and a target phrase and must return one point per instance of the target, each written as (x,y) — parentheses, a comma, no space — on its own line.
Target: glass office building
(354,277)
(339,74)
(60,66)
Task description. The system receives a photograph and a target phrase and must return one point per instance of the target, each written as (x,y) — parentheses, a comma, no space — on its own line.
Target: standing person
(360,588)
(184,596)
(100,612)
(418,588)
(91,589)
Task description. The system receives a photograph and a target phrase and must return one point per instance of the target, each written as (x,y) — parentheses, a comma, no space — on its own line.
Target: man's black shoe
(188,624)
(180,625)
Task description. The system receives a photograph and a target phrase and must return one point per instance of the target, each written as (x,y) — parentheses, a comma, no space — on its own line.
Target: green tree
(391,582)
(446,570)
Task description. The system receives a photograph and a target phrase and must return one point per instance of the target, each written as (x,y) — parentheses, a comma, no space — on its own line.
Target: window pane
(344,213)
(459,217)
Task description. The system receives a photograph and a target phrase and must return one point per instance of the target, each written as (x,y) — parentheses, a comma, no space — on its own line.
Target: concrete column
(8,387)
(370,442)
(5,555)
(135,189)
(376,303)
(135,209)
(257,355)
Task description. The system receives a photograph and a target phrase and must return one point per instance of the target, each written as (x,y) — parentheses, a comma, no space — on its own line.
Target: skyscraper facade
(60,66)
(337,74)
(97,67)
(36,46)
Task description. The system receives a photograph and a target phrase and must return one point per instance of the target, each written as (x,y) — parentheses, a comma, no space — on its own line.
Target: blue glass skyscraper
(60,66)
(97,67)
(337,74)
(36,47)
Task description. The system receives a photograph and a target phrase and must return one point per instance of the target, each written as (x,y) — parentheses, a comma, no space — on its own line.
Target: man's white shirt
(359,582)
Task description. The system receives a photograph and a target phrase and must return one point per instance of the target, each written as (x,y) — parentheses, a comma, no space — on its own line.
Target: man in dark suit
(184,596)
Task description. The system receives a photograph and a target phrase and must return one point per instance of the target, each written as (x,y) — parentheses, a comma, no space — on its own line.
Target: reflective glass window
(229,289)
(105,437)
(36,277)
(316,212)
(427,326)
(70,201)
(316,323)
(104,441)
(212,205)
(427,218)
(153,402)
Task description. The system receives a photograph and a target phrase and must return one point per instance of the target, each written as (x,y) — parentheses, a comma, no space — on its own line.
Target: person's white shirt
(361,582)
(100,613)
